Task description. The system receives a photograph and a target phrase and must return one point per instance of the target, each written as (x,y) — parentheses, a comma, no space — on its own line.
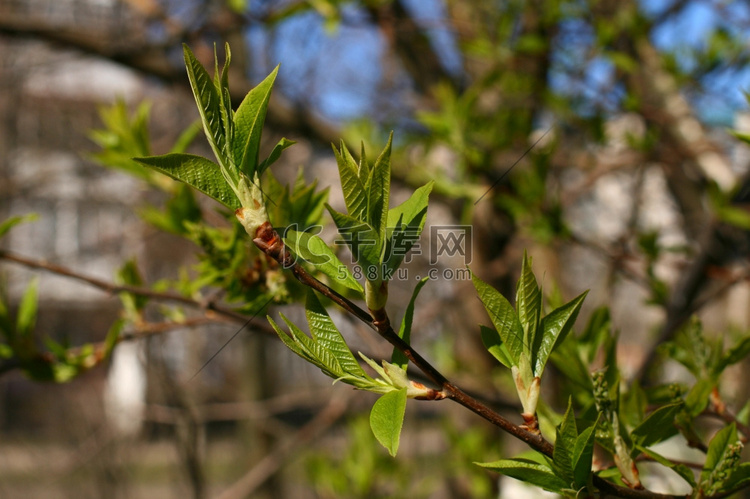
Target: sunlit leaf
(248,122)
(554,327)
(387,419)
(197,172)
(503,316)
(209,105)
(328,336)
(404,331)
(528,304)
(529,471)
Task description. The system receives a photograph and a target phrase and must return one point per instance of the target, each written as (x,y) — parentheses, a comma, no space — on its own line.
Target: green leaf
(494,345)
(565,442)
(682,470)
(738,478)
(352,185)
(363,240)
(404,331)
(275,154)
(209,107)
(734,355)
(113,336)
(718,447)
(130,275)
(13,221)
(406,222)
(584,455)
(26,318)
(221,83)
(657,427)
(528,471)
(554,327)
(528,304)
(196,171)
(316,252)
(248,125)
(387,419)
(697,398)
(328,336)
(503,317)
(290,342)
(378,187)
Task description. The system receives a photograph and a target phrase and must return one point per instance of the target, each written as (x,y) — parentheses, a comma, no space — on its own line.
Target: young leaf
(657,427)
(528,471)
(27,309)
(406,222)
(352,185)
(221,82)
(13,221)
(739,477)
(404,331)
(528,304)
(554,327)
(378,187)
(248,125)
(682,470)
(275,154)
(363,240)
(502,316)
(718,449)
(564,454)
(494,345)
(310,349)
(196,171)
(697,398)
(209,105)
(387,419)
(328,336)
(734,355)
(316,252)
(584,455)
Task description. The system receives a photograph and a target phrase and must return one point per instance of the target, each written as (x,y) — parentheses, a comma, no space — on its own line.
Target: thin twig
(113,288)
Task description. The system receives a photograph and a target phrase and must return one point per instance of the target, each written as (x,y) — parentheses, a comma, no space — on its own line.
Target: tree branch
(268,241)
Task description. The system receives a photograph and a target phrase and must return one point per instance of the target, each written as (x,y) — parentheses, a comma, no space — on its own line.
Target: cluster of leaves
(523,339)
(326,348)
(378,237)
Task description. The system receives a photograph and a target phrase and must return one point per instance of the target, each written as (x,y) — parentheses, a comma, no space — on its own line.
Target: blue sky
(338,72)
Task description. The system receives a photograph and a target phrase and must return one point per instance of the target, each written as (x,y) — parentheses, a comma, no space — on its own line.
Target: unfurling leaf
(554,327)
(503,317)
(528,305)
(248,126)
(209,105)
(404,331)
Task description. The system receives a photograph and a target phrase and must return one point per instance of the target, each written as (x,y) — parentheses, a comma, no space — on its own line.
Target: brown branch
(112,288)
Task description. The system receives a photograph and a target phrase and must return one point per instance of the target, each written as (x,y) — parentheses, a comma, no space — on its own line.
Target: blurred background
(596,135)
